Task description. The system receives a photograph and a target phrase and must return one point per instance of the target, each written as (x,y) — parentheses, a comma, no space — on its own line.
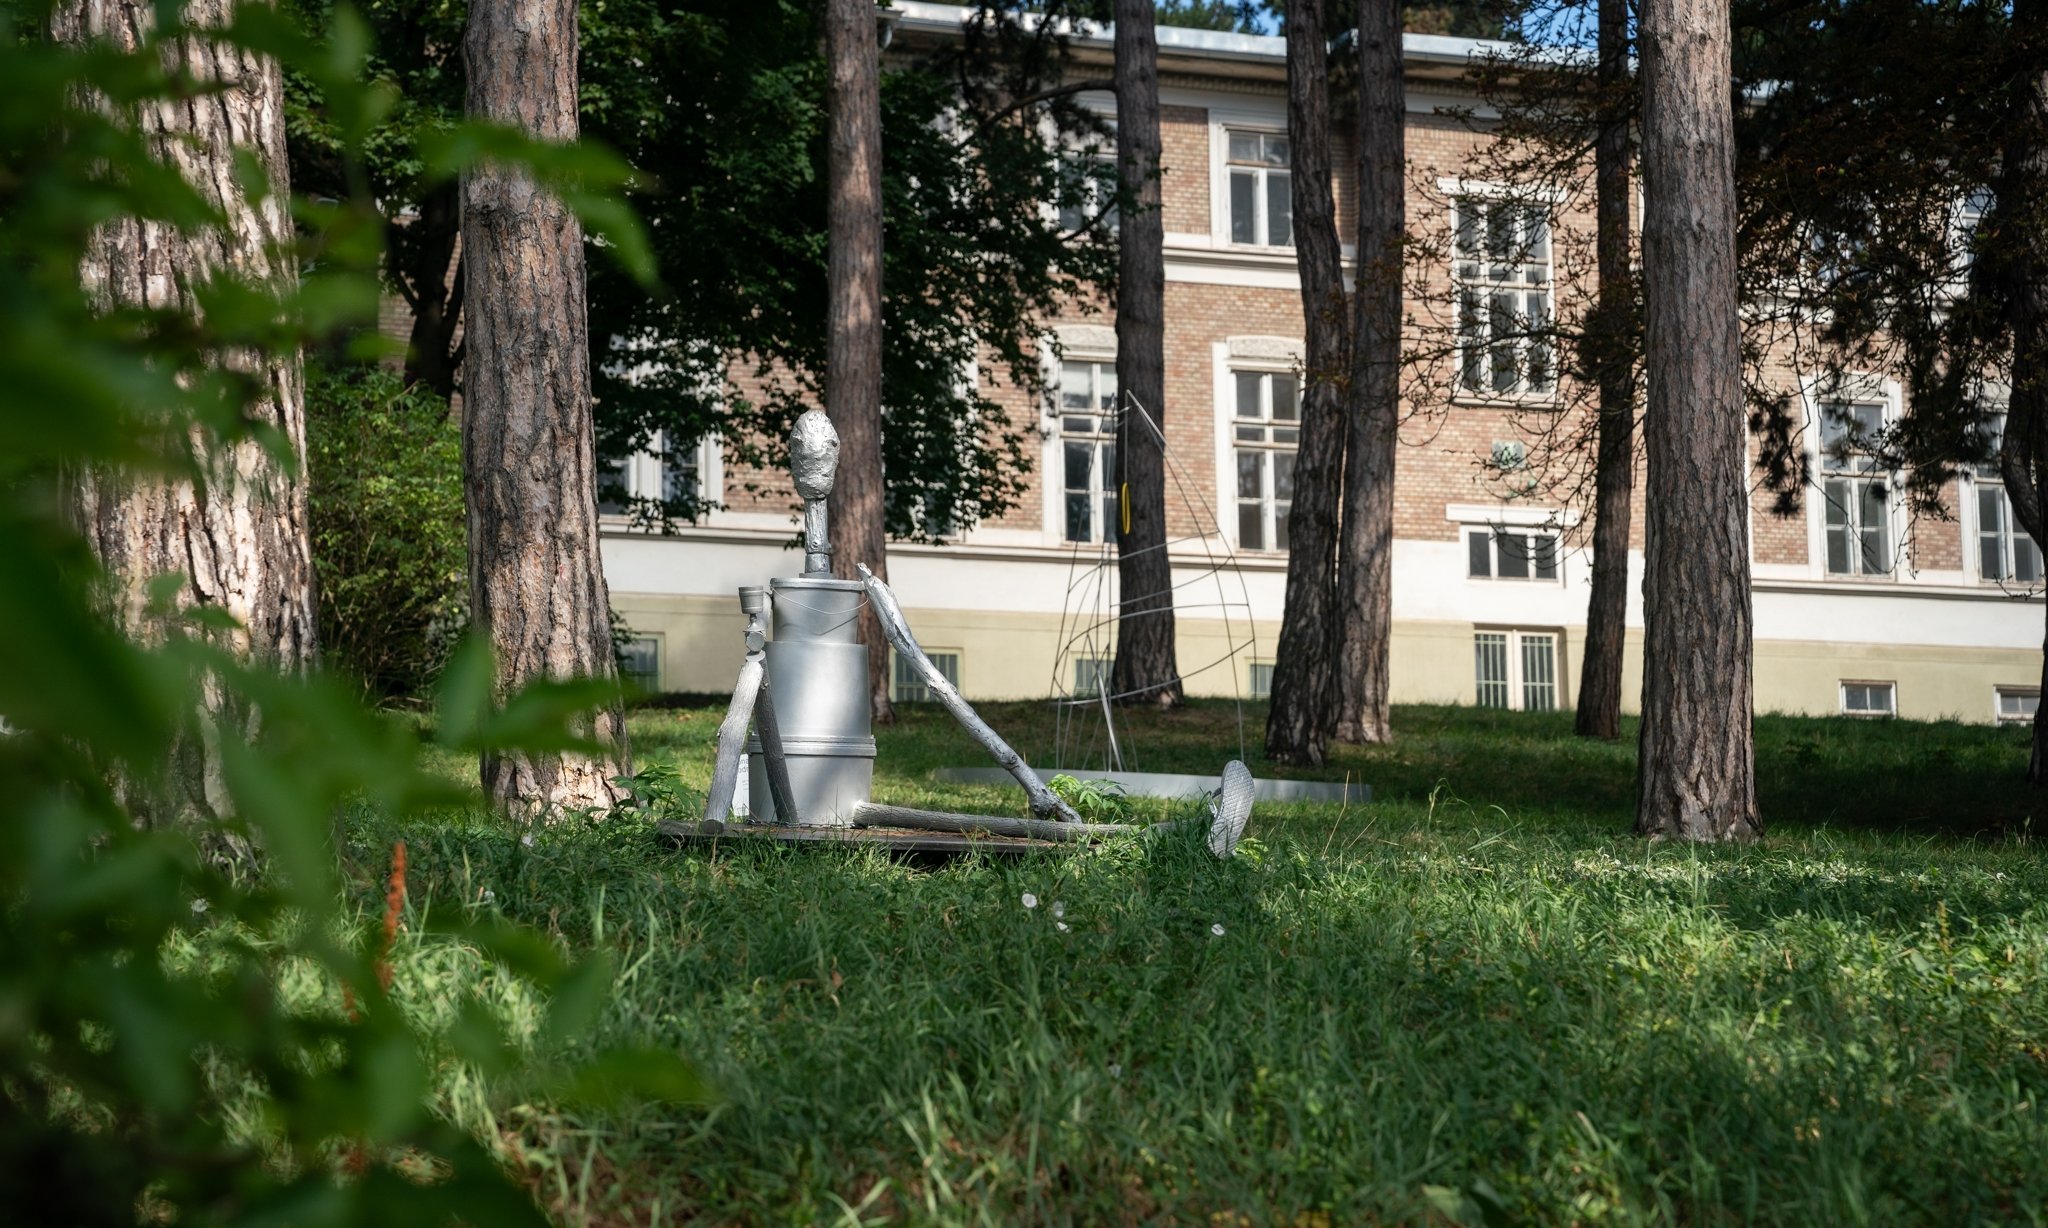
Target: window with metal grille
(1266,429)
(1516,670)
(1091,675)
(1088,450)
(1501,264)
(640,664)
(1855,494)
(910,686)
(1869,698)
(1261,190)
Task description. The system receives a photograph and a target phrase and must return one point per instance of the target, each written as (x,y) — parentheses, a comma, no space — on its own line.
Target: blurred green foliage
(390,545)
(181,1041)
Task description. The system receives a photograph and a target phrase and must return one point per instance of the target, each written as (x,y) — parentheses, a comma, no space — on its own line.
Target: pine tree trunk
(434,288)
(1697,774)
(2022,267)
(537,586)
(1145,669)
(853,327)
(1611,341)
(1300,715)
(241,541)
(1366,548)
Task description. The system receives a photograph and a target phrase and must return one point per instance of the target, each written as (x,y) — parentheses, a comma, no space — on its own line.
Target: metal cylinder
(818,670)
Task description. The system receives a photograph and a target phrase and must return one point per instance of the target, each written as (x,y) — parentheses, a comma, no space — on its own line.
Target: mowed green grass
(1477,998)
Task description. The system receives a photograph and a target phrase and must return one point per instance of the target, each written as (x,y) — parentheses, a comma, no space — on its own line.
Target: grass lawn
(1476,999)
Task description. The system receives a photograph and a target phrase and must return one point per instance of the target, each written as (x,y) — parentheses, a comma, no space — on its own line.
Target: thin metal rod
(1116,753)
(869,814)
(732,740)
(771,752)
(1045,804)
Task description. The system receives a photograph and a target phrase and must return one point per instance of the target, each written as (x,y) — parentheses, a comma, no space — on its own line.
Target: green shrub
(389,538)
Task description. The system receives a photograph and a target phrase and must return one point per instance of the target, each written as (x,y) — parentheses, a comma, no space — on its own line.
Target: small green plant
(656,792)
(1096,801)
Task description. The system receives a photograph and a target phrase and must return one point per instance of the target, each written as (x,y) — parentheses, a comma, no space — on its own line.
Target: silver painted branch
(869,814)
(1044,802)
(732,742)
(771,754)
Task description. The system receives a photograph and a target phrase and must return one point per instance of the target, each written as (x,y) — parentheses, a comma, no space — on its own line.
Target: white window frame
(1252,689)
(906,686)
(1891,688)
(657,641)
(1260,174)
(1271,446)
(1860,390)
(1497,549)
(646,474)
(2013,544)
(1998,696)
(1514,641)
(1102,443)
(1484,276)
(1092,676)
(1098,201)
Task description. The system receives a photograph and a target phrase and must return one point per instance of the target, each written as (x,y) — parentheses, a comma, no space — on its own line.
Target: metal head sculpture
(814,462)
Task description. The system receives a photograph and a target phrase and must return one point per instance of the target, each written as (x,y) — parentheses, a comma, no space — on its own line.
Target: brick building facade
(1860,607)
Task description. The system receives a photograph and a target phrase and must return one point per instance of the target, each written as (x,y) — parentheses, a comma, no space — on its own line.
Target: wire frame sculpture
(1207,581)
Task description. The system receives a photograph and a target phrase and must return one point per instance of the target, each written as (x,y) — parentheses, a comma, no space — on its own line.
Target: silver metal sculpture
(804,692)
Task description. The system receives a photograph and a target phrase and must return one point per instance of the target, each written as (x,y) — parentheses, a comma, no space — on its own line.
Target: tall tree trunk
(1300,716)
(529,461)
(1145,669)
(2022,265)
(240,540)
(1697,774)
(1365,576)
(1611,342)
(426,248)
(853,325)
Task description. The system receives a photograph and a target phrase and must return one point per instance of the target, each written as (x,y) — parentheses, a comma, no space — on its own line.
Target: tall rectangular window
(1088,450)
(910,685)
(640,664)
(1265,431)
(1261,189)
(1515,669)
(1259,679)
(2005,551)
(1855,494)
(1501,265)
(1088,187)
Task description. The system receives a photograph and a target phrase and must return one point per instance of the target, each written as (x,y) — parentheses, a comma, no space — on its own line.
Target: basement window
(910,686)
(1869,698)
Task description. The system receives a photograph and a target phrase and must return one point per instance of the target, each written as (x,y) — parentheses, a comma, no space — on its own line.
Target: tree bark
(1146,670)
(537,586)
(853,326)
(2021,264)
(1611,341)
(240,539)
(1366,547)
(1697,774)
(1300,715)
(434,287)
